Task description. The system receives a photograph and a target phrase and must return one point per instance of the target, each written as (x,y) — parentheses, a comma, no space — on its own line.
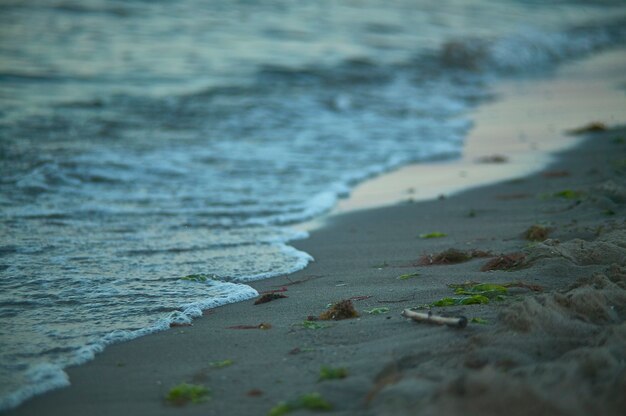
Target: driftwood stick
(458,322)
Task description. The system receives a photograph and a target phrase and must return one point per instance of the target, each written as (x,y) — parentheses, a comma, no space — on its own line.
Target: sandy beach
(545,335)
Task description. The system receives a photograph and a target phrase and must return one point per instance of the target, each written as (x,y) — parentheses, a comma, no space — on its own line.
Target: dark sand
(561,351)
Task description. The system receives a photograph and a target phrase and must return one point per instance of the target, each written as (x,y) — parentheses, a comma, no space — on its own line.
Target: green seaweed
(184,393)
(435,234)
(310,401)
(408,276)
(378,311)
(479,321)
(484,289)
(382,265)
(462,300)
(330,373)
(221,364)
(200,277)
(568,194)
(280,409)
(313,325)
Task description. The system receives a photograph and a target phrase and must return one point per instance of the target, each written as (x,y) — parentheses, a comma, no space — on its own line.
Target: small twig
(458,322)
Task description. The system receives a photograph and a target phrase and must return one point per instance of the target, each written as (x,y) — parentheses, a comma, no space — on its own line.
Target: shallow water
(141,142)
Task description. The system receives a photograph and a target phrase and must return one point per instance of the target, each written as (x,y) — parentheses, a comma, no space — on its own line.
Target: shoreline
(126,379)
(526,124)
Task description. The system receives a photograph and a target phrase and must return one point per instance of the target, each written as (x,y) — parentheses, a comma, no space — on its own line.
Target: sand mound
(606,249)
(561,353)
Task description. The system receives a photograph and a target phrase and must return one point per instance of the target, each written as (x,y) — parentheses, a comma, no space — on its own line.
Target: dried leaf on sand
(340,310)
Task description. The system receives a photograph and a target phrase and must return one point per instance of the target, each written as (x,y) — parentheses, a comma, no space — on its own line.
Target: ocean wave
(530,49)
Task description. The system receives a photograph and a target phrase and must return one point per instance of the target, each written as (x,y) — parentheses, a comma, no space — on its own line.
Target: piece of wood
(456,322)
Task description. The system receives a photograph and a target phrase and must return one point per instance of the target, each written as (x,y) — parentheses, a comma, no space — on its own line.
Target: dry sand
(559,351)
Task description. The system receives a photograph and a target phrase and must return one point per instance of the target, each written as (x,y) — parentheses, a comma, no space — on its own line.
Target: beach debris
(281,290)
(488,290)
(268,297)
(536,233)
(407,276)
(593,127)
(568,194)
(504,262)
(254,393)
(331,373)
(200,277)
(492,159)
(263,325)
(463,300)
(473,293)
(309,401)
(474,286)
(450,256)
(382,265)
(479,321)
(340,310)
(456,322)
(184,393)
(221,364)
(435,234)
(377,311)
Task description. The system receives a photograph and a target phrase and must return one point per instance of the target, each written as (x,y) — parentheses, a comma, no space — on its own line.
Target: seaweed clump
(310,401)
(340,310)
(330,373)
(184,393)
(450,256)
(536,233)
(504,262)
(268,297)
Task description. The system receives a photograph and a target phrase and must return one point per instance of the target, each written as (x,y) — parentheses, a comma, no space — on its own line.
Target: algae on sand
(332,373)
(184,393)
(221,364)
(435,234)
(407,276)
(377,311)
(309,401)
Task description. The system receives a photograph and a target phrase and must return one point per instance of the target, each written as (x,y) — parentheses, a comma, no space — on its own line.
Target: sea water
(145,141)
